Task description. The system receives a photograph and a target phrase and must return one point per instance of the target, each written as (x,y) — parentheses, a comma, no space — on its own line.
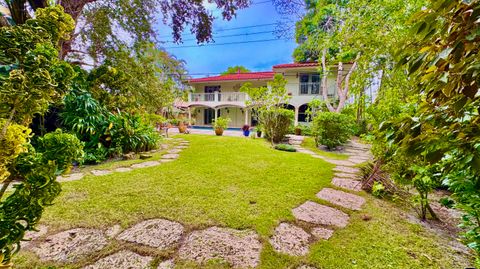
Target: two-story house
(217,96)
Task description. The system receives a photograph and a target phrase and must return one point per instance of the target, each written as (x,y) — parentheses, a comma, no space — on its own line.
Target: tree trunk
(324,81)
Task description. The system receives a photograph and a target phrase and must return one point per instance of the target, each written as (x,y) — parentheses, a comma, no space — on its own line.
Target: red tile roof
(296,65)
(237,76)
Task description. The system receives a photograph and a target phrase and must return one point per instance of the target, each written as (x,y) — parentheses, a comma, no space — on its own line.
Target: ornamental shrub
(276,123)
(62,147)
(285,147)
(128,133)
(332,129)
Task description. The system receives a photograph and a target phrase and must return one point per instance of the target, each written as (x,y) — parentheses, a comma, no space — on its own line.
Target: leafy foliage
(62,147)
(285,147)
(221,123)
(332,129)
(267,103)
(444,64)
(236,69)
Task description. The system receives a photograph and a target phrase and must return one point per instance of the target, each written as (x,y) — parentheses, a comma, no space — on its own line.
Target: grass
(309,143)
(243,184)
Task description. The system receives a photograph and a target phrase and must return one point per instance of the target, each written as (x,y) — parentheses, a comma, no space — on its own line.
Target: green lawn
(244,184)
(309,143)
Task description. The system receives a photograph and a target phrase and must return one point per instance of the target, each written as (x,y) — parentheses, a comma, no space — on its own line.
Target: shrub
(62,147)
(128,133)
(332,129)
(276,123)
(285,147)
(221,122)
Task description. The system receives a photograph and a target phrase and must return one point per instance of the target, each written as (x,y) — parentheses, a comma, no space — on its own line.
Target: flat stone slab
(71,177)
(33,235)
(346,169)
(157,233)
(314,213)
(357,160)
(322,233)
(182,147)
(122,260)
(306,151)
(340,162)
(346,175)
(168,264)
(113,231)
(71,245)
(123,169)
(290,239)
(241,249)
(344,199)
(170,156)
(174,151)
(353,185)
(145,164)
(100,172)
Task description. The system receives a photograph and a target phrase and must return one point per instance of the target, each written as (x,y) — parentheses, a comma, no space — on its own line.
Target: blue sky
(259,56)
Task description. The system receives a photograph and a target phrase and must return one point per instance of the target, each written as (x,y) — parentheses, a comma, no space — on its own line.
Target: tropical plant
(276,123)
(285,147)
(221,123)
(332,129)
(31,79)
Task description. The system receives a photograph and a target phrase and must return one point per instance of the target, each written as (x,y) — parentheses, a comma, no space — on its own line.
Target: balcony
(218,99)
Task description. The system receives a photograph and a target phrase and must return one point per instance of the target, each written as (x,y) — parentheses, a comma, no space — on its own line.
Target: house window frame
(311,87)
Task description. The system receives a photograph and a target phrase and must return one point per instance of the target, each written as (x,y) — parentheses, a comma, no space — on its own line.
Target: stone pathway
(237,248)
(295,241)
(173,152)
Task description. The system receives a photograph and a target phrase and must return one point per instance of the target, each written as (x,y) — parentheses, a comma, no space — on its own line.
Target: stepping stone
(346,169)
(71,245)
(358,161)
(164,146)
(290,239)
(168,264)
(33,235)
(145,164)
(314,213)
(174,151)
(71,177)
(113,231)
(344,199)
(123,259)
(340,162)
(322,233)
(353,185)
(306,151)
(158,233)
(241,249)
(181,147)
(123,169)
(346,175)
(100,172)
(170,156)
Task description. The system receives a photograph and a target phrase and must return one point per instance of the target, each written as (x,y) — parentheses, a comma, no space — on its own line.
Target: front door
(209,116)
(209,93)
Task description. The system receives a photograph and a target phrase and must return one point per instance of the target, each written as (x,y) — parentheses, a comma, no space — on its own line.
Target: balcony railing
(218,97)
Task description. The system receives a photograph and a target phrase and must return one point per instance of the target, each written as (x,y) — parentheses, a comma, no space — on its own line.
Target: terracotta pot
(259,133)
(298,131)
(182,128)
(219,131)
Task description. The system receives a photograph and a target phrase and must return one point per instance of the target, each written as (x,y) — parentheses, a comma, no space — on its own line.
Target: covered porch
(204,116)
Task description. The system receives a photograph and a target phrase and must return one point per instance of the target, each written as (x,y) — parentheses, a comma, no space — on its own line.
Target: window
(209,92)
(304,83)
(309,84)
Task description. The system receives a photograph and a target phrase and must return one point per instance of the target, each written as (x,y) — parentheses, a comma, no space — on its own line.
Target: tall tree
(102,24)
(236,69)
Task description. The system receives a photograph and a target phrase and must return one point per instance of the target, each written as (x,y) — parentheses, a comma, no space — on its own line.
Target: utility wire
(234,28)
(233,35)
(229,43)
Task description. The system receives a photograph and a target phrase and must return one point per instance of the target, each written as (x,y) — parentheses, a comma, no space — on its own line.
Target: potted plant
(246,130)
(258,129)
(220,124)
(298,131)
(182,127)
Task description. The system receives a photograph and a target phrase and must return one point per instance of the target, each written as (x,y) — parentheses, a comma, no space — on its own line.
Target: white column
(215,96)
(296,116)
(189,116)
(216,113)
(246,115)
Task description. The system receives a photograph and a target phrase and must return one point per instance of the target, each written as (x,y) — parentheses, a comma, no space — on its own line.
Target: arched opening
(302,114)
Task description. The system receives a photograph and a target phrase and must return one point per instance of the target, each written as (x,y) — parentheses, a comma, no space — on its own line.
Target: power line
(234,28)
(233,35)
(230,43)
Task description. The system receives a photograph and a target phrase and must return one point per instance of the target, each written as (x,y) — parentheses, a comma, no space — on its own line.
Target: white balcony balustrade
(218,97)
